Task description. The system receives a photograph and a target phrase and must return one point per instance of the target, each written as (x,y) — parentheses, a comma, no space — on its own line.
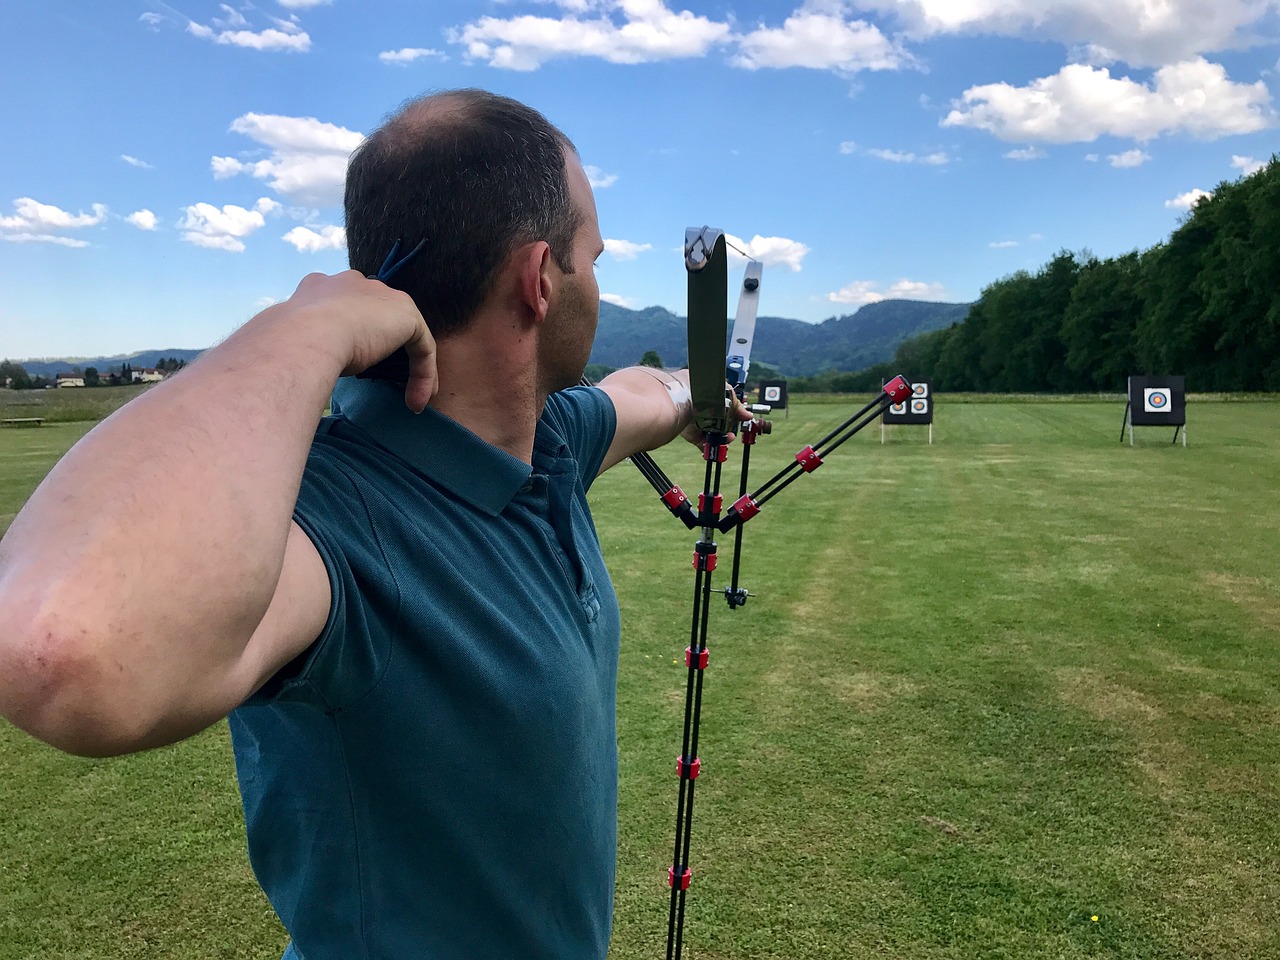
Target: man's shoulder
(583,418)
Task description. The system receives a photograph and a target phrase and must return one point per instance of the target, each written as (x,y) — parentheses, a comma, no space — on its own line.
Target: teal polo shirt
(436,777)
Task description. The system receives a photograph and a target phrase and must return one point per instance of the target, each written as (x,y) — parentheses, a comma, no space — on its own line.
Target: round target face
(898,408)
(919,406)
(920,390)
(1156,399)
(772,394)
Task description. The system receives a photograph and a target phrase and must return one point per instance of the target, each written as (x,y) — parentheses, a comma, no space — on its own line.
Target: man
(405,611)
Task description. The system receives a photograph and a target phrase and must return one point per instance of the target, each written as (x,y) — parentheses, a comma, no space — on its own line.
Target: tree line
(1205,304)
(15,374)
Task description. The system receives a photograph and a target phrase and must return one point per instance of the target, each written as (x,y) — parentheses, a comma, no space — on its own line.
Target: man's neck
(488,383)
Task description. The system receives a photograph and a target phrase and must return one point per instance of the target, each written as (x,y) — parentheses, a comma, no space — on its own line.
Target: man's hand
(373,321)
(738,413)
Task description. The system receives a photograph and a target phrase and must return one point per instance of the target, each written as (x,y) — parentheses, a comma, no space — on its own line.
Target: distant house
(70,380)
(146,375)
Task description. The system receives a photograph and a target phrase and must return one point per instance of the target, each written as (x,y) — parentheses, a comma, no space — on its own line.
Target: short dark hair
(473,173)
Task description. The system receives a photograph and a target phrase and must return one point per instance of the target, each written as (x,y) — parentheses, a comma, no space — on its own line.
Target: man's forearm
(653,407)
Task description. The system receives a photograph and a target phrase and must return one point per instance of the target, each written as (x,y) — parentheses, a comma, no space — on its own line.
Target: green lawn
(987,690)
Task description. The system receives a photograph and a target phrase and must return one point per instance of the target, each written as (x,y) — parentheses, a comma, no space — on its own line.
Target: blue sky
(170,169)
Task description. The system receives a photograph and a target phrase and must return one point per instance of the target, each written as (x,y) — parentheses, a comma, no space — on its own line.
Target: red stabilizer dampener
(685,878)
(704,556)
(745,508)
(704,657)
(898,389)
(690,770)
(809,460)
(674,499)
(716,502)
(722,450)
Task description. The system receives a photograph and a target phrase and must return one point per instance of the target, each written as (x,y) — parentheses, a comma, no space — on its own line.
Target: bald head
(476,175)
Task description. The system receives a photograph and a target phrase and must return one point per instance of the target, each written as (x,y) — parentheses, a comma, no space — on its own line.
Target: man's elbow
(58,689)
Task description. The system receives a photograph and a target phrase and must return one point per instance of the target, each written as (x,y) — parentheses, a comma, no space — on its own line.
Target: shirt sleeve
(348,657)
(585,419)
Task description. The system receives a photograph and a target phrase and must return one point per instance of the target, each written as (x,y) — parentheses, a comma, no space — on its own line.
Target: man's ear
(536,279)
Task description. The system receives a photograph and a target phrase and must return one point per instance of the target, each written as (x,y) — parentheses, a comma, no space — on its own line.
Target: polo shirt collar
(438,447)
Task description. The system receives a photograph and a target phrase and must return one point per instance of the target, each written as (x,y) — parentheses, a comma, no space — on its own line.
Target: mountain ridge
(848,343)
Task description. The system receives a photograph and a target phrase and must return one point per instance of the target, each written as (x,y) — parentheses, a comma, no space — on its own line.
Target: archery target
(1156,399)
(916,409)
(774,393)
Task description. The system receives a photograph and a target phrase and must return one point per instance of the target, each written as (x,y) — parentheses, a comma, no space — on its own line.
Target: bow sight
(713,376)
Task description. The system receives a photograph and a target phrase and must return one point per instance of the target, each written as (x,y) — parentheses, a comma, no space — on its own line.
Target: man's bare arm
(653,407)
(155,578)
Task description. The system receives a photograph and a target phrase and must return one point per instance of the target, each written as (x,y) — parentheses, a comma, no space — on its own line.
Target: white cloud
(859,292)
(1139,32)
(1025,153)
(151,21)
(648,32)
(598,178)
(1185,201)
(848,146)
(306,240)
(219,228)
(820,40)
(135,162)
(625,249)
(1081,103)
(1091,158)
(142,219)
(916,290)
(862,292)
(263,302)
(290,40)
(1002,244)
(896,156)
(37,222)
(1247,165)
(224,167)
(32,213)
(43,238)
(771,251)
(308,161)
(303,4)
(618,300)
(234,17)
(407,55)
(1130,158)
(267,205)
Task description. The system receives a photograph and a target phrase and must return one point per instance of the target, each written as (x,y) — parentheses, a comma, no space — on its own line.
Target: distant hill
(798,349)
(50,367)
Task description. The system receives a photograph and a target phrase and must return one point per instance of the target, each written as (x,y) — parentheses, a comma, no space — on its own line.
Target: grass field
(1015,694)
(69,404)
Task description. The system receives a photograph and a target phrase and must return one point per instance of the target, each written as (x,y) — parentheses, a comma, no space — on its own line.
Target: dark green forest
(1204,304)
